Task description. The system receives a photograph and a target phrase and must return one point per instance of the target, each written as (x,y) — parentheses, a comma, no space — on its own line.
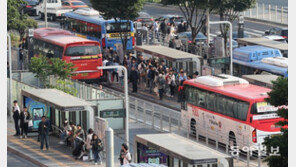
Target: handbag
(30,123)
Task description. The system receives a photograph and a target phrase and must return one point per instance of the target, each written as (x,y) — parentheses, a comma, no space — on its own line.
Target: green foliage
(65,86)
(16,21)
(42,69)
(279,97)
(61,69)
(194,12)
(119,10)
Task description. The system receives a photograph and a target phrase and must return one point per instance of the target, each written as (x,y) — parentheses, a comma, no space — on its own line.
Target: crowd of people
(147,74)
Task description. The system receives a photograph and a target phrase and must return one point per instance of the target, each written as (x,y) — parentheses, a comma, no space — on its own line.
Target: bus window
(229,108)
(221,105)
(82,50)
(242,110)
(118,27)
(201,101)
(210,100)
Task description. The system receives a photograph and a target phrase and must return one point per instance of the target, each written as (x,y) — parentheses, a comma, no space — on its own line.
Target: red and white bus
(228,109)
(83,53)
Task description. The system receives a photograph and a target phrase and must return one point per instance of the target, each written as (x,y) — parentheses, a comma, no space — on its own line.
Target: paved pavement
(13,161)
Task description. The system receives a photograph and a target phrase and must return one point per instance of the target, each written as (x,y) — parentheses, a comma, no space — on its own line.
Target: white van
(54,9)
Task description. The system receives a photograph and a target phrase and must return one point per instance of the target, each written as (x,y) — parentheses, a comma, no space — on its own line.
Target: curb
(18,153)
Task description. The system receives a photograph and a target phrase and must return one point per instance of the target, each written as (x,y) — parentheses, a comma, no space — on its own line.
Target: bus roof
(264,66)
(166,53)
(58,36)
(262,80)
(244,91)
(95,19)
(264,42)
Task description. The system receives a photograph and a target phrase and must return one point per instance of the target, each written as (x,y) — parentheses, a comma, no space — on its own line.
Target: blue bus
(259,59)
(88,23)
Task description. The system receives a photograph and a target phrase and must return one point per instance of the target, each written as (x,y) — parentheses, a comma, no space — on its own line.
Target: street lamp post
(45,13)
(10,76)
(126,98)
(230,41)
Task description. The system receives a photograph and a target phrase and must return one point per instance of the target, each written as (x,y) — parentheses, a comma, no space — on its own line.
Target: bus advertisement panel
(89,24)
(57,43)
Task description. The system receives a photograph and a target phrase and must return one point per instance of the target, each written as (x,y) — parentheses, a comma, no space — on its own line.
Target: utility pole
(45,13)
(10,76)
(208,26)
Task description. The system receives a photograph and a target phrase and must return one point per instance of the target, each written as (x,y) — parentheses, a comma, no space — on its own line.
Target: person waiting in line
(88,145)
(126,156)
(43,130)
(79,135)
(16,117)
(134,76)
(97,147)
(24,124)
(71,134)
(160,85)
(65,132)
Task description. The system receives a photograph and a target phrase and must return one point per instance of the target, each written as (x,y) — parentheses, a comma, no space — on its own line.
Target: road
(16,161)
(252,28)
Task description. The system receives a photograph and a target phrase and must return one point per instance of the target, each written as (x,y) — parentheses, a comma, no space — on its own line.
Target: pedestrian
(161,85)
(65,131)
(171,82)
(121,76)
(115,72)
(79,136)
(88,144)
(126,156)
(21,57)
(163,28)
(195,75)
(134,76)
(16,117)
(43,130)
(97,147)
(24,122)
(72,134)
(151,76)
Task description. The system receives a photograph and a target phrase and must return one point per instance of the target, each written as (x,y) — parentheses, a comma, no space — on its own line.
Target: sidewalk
(61,155)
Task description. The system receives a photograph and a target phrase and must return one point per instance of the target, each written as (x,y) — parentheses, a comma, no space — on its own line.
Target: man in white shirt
(16,117)
(126,156)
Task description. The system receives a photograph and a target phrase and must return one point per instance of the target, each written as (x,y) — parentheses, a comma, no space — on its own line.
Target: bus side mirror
(251,119)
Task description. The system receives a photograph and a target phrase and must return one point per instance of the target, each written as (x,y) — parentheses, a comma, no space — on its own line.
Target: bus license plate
(84,74)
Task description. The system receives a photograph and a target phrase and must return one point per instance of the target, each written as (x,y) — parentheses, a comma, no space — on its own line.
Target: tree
(16,21)
(229,10)
(194,12)
(120,11)
(43,67)
(279,97)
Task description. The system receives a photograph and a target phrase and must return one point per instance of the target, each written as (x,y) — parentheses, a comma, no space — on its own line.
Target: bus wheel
(193,127)
(232,140)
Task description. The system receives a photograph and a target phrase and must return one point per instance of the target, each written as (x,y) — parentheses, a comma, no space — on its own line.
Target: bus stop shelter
(283,47)
(173,58)
(175,151)
(58,106)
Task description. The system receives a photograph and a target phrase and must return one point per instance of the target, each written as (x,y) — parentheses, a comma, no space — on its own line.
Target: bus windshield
(82,50)
(118,27)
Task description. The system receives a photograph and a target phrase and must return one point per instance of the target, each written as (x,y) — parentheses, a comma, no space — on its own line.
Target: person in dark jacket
(43,130)
(134,78)
(151,75)
(97,147)
(25,117)
(16,117)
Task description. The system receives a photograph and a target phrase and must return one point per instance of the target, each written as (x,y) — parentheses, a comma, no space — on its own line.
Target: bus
(259,59)
(57,43)
(228,109)
(89,24)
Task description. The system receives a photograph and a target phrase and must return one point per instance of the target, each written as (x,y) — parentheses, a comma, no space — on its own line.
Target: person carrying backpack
(126,155)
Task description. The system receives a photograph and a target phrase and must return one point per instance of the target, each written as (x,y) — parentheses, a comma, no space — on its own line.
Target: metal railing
(268,12)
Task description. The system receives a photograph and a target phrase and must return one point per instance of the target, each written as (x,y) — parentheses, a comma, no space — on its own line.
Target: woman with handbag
(97,147)
(25,119)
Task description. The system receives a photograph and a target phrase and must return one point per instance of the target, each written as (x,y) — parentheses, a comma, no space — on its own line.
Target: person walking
(134,79)
(25,118)
(16,117)
(43,130)
(97,147)
(126,156)
(88,144)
